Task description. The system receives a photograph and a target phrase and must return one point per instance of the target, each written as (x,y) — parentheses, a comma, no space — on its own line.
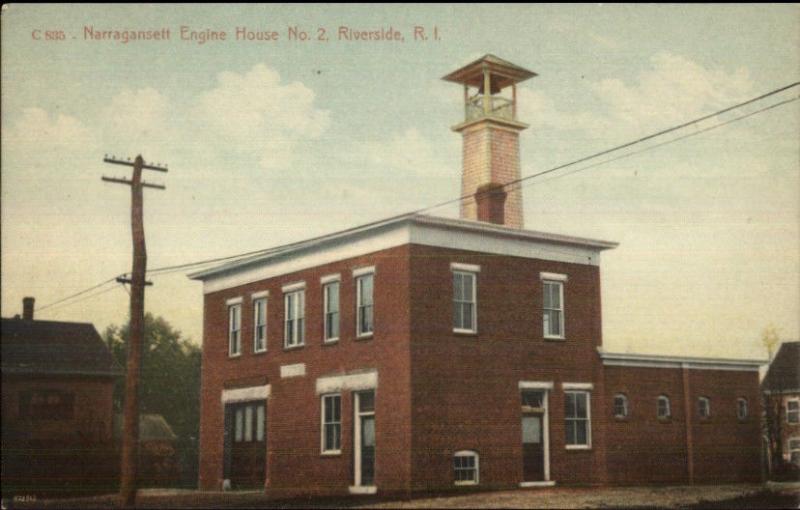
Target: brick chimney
(490,132)
(491,202)
(27,308)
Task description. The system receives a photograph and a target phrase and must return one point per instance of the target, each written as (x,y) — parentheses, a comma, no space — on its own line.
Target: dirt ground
(689,497)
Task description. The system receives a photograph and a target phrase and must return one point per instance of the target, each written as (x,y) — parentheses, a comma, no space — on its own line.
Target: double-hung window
(465,298)
(260,324)
(294,318)
(620,406)
(793,411)
(663,410)
(576,414)
(465,468)
(330,296)
(553,305)
(235,329)
(364,303)
(331,424)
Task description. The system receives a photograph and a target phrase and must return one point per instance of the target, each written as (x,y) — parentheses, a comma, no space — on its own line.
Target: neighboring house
(781,387)
(158,460)
(422,353)
(57,409)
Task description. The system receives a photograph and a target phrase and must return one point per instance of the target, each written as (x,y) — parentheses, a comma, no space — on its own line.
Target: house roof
(359,233)
(54,348)
(784,371)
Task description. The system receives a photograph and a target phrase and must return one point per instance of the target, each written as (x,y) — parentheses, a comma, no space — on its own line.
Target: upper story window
(620,406)
(793,411)
(331,424)
(576,414)
(663,409)
(330,297)
(294,316)
(466,468)
(741,409)
(794,451)
(235,329)
(465,298)
(46,405)
(260,324)
(553,304)
(364,307)
(704,407)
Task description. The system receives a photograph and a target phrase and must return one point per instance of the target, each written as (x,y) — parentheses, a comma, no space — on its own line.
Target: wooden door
(247,444)
(532,448)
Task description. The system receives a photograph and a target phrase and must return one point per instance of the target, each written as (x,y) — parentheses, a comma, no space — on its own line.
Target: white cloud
(138,121)
(37,131)
(255,111)
(409,152)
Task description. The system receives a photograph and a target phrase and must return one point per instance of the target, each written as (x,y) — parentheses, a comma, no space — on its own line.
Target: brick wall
(294,463)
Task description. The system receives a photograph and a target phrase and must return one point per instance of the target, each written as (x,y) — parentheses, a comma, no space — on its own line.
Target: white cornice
(658,361)
(409,229)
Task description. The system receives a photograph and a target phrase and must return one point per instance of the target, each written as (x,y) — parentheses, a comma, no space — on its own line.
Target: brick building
(58,384)
(423,353)
(781,387)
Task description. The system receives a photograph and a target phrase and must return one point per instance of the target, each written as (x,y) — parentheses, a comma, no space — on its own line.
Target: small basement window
(465,467)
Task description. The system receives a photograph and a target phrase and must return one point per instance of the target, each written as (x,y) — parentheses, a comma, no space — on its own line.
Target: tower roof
(503,72)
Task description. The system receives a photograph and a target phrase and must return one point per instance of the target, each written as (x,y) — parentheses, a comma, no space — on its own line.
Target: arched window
(741,409)
(620,406)
(664,410)
(466,468)
(704,407)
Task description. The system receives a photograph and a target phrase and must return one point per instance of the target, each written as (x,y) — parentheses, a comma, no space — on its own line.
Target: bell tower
(490,131)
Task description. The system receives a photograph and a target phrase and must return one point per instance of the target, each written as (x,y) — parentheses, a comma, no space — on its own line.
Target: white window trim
(367,271)
(322,449)
(588,445)
(325,284)
(257,300)
(707,406)
(788,401)
(626,411)
(669,407)
(330,278)
(361,271)
(259,294)
(474,275)
(577,386)
(552,277)
(296,331)
(465,268)
(746,408)
(469,453)
(292,287)
(789,448)
(245,394)
(535,385)
(562,316)
(234,305)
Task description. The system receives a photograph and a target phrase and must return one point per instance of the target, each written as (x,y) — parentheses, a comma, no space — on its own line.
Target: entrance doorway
(535,448)
(364,454)
(245,444)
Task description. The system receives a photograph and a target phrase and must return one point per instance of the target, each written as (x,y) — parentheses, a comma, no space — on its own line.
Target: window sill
(263,351)
(362,489)
(293,347)
(463,483)
(555,338)
(365,336)
(330,341)
(234,356)
(578,447)
(331,453)
(465,332)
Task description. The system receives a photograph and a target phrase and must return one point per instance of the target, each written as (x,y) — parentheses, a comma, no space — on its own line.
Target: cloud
(138,121)
(37,131)
(409,153)
(257,112)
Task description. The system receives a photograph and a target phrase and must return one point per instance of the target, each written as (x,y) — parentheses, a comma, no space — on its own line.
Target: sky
(274,141)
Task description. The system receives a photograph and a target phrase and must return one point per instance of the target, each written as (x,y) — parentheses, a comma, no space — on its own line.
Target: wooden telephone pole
(130,431)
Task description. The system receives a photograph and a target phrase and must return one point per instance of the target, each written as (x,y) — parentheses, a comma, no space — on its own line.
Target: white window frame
(790,450)
(625,409)
(235,329)
(359,276)
(667,416)
(704,408)
(588,420)
(562,314)
(471,272)
(326,334)
(476,456)
(298,298)
(795,412)
(741,403)
(256,302)
(324,424)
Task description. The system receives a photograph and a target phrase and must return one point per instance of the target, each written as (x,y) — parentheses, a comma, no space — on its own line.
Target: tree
(170,379)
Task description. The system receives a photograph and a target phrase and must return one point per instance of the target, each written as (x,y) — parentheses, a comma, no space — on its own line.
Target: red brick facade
(440,392)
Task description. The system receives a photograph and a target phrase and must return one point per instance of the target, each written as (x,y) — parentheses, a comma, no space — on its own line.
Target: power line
(173,268)
(45,307)
(84,298)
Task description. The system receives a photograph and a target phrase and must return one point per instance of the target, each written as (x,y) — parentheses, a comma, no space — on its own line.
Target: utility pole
(130,431)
